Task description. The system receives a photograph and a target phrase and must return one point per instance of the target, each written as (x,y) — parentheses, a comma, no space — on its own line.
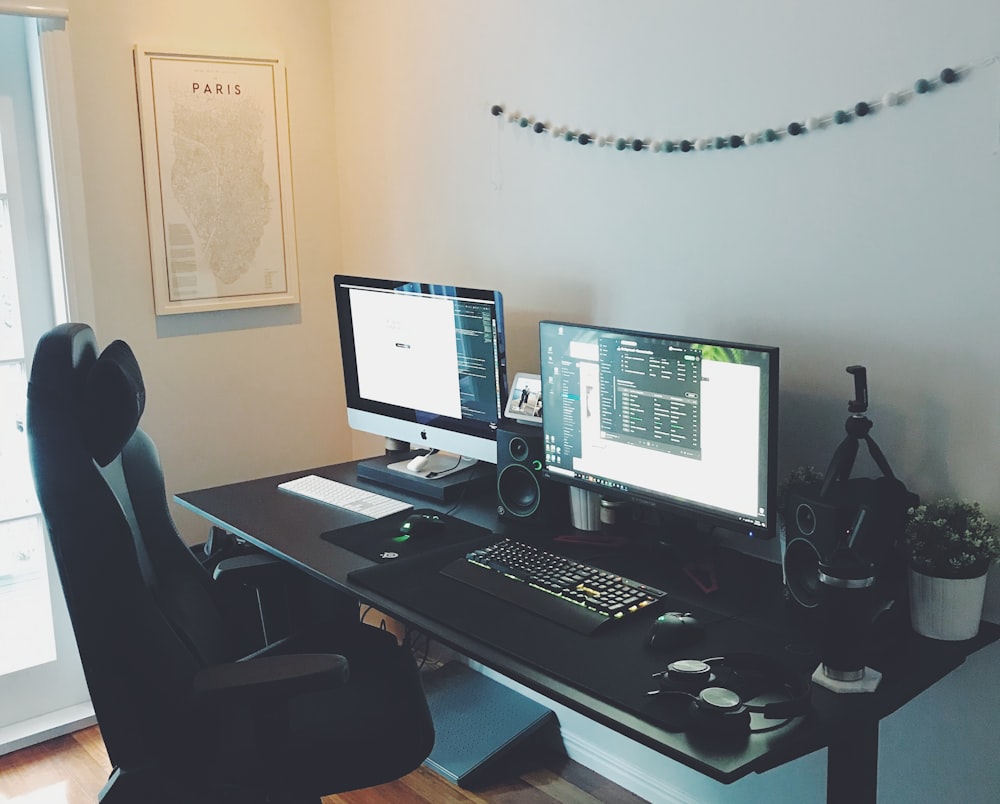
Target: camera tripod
(858,427)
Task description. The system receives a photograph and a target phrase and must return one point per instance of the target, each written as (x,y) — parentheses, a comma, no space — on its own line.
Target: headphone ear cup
(687,675)
(763,673)
(719,712)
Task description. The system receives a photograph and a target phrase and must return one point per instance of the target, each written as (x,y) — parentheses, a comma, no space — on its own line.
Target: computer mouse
(674,629)
(418,463)
(425,524)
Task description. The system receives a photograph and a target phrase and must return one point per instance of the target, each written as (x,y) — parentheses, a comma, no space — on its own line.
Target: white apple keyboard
(341,495)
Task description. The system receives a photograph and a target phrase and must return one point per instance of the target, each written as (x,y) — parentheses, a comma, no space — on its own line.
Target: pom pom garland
(860,110)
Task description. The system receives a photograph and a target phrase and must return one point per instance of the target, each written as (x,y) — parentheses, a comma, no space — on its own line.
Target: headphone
(716,692)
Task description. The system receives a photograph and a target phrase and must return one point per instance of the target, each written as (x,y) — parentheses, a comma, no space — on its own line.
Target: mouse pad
(612,663)
(380,541)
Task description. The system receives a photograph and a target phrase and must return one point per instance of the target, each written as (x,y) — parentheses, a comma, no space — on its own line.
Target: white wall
(231,395)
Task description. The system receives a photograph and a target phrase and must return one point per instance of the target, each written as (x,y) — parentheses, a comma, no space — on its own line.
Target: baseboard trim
(44,727)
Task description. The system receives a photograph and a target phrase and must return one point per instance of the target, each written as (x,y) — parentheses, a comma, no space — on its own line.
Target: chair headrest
(114,399)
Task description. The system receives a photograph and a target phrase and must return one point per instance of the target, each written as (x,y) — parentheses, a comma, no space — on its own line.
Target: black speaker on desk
(812,526)
(869,513)
(522,492)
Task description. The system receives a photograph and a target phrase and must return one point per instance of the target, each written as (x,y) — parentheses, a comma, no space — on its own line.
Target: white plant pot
(946,608)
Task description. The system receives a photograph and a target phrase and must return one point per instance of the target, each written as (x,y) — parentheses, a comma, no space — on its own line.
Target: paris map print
(218,184)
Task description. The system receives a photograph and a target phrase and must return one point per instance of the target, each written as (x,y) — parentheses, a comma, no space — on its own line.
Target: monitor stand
(435,464)
(442,486)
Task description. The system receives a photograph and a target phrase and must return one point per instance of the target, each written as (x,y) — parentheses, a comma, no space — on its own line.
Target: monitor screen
(688,426)
(423,363)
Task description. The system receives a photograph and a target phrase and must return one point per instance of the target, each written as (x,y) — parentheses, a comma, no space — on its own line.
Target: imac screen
(688,426)
(423,363)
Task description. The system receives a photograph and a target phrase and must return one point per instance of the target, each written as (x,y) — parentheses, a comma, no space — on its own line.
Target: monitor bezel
(422,429)
(701,516)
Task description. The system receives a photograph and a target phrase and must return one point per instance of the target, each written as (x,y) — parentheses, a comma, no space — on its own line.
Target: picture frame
(524,403)
(217,169)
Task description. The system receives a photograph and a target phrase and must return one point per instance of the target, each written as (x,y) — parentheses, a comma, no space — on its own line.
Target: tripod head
(858,427)
(860,402)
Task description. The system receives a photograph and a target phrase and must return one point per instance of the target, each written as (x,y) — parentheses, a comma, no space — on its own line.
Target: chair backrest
(143,616)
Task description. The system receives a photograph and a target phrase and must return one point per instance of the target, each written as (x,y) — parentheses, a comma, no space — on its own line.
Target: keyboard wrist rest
(522,594)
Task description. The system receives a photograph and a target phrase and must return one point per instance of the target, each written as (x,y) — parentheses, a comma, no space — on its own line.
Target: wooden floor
(72,770)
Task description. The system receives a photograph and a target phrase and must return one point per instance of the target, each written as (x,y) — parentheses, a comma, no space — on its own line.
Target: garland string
(865,108)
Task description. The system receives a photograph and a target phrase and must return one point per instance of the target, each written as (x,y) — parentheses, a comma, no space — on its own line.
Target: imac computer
(686,426)
(424,365)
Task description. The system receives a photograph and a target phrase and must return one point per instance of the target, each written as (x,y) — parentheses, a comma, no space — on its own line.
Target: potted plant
(950,545)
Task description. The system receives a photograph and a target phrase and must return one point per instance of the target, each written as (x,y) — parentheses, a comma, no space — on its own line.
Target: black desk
(605,675)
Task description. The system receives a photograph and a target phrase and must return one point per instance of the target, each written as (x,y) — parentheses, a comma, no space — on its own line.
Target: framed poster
(215,149)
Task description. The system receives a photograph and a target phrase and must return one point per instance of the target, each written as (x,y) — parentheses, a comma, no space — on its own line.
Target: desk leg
(852,767)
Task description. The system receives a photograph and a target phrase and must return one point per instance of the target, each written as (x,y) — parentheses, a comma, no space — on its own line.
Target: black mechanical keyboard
(568,592)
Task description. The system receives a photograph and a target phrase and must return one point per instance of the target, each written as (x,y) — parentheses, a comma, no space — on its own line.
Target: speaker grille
(518,489)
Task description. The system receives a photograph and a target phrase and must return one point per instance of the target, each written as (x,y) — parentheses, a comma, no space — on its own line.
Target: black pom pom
(583,139)
(794,129)
(949,76)
(497,110)
(861,109)
(735,141)
(539,127)
(636,145)
(686,145)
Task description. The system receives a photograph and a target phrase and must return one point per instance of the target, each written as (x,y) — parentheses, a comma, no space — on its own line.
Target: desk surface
(606,675)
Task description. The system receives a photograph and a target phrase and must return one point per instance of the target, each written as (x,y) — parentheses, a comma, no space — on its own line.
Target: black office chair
(185,716)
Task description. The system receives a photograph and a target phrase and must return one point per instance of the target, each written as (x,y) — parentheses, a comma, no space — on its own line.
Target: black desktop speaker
(522,492)
(871,512)
(812,526)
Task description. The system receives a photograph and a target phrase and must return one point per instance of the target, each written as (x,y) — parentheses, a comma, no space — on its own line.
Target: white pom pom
(751,138)
(813,124)
(700,144)
(656,146)
(890,99)
(513,117)
(602,141)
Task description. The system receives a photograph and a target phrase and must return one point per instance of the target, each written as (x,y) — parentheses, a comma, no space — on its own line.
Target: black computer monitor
(686,425)
(424,364)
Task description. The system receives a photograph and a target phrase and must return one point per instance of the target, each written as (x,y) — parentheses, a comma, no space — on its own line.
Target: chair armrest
(272,676)
(251,570)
